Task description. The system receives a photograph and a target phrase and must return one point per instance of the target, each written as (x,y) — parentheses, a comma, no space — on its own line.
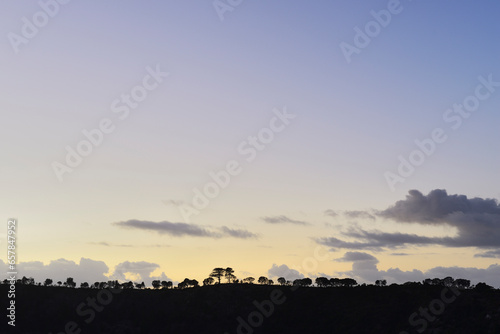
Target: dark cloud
(283,271)
(489,254)
(283,220)
(476,220)
(183,229)
(359,214)
(237,233)
(357,256)
(165,227)
(438,207)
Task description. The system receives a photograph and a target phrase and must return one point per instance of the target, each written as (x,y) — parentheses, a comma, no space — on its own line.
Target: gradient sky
(118,214)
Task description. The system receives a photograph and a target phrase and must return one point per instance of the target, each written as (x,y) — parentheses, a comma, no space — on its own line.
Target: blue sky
(226,81)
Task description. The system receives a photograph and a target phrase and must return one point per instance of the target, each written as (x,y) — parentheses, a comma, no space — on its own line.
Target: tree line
(226,275)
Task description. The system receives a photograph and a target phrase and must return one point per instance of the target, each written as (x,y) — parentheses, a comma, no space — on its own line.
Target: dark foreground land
(245,308)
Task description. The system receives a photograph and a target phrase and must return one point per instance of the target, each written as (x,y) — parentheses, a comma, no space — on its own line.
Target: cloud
(237,233)
(364,268)
(283,220)
(359,215)
(137,272)
(283,271)
(476,220)
(331,213)
(165,227)
(183,229)
(103,243)
(489,254)
(438,207)
(58,270)
(357,256)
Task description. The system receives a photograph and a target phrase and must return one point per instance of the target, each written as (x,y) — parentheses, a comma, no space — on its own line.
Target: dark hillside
(249,308)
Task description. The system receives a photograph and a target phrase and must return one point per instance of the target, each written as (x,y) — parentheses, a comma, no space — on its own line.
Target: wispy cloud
(238,233)
(359,214)
(184,229)
(106,244)
(283,220)
(331,213)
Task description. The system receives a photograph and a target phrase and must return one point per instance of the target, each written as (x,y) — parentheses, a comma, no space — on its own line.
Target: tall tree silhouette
(229,275)
(218,273)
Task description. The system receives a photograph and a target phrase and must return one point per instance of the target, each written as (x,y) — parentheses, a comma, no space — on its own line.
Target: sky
(161,139)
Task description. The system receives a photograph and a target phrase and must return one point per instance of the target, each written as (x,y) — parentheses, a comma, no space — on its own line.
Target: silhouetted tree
(140,285)
(302,281)
(427,281)
(335,282)
(263,280)
(208,281)
(166,284)
(187,283)
(114,284)
(59,283)
(128,285)
(448,281)
(217,273)
(70,282)
(349,282)
(156,284)
(482,287)
(84,285)
(248,280)
(322,282)
(282,281)
(47,282)
(270,282)
(229,274)
(462,283)
(437,281)
(381,282)
(95,285)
